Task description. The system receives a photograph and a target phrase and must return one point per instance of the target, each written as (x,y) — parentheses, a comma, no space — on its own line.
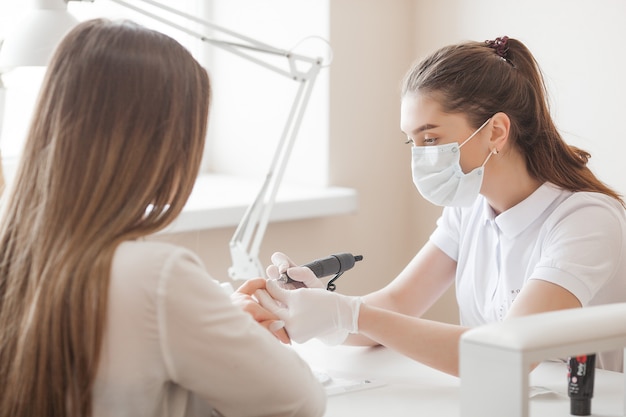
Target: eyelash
(426,141)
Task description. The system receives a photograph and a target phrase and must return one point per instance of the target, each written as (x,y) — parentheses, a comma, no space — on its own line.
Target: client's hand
(281,264)
(243,298)
(314,312)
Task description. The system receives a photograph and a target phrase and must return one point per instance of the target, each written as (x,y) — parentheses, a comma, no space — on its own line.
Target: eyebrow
(421,129)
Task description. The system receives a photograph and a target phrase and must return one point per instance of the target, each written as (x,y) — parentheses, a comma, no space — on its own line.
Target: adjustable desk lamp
(49,21)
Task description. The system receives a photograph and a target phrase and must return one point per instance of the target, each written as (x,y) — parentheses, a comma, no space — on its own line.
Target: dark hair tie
(501,46)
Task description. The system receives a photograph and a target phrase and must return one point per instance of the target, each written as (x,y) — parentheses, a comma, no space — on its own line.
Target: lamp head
(32,39)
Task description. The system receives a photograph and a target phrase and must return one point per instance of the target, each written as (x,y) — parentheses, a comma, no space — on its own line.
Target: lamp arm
(236,48)
(246,241)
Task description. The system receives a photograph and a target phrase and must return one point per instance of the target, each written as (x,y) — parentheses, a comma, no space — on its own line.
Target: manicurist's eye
(429,141)
(409,140)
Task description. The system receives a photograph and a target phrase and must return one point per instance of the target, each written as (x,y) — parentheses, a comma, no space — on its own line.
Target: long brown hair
(481,79)
(112,155)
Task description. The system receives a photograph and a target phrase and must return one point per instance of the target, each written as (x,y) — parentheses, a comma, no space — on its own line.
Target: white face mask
(438,176)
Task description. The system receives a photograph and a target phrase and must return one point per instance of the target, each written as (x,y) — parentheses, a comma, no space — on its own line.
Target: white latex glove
(281,264)
(312,312)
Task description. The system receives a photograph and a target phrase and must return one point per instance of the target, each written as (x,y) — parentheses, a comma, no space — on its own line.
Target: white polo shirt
(575,240)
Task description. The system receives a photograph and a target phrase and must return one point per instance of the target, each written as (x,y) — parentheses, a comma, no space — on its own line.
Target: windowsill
(221,201)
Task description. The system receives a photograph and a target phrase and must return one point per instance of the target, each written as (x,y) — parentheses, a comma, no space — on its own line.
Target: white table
(413,389)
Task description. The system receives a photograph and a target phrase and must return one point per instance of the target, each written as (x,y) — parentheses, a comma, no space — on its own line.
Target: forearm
(391,299)
(432,343)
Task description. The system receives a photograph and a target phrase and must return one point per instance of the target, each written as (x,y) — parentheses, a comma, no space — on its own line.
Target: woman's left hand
(243,297)
(312,312)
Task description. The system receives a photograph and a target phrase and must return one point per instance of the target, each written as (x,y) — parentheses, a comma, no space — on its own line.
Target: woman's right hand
(281,264)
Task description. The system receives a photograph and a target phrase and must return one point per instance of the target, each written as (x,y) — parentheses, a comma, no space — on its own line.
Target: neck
(507,181)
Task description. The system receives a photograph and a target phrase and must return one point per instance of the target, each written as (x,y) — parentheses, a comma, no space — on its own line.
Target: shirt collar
(519,217)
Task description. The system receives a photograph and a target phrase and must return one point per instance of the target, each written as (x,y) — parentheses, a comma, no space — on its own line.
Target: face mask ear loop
(476,132)
(494,152)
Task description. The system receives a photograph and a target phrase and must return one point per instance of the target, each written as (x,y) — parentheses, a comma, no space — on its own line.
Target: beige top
(174,344)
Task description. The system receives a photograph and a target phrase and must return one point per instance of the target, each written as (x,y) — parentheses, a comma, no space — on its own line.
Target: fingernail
(277,325)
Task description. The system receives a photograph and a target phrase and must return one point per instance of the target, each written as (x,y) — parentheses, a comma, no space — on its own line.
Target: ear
(500,126)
